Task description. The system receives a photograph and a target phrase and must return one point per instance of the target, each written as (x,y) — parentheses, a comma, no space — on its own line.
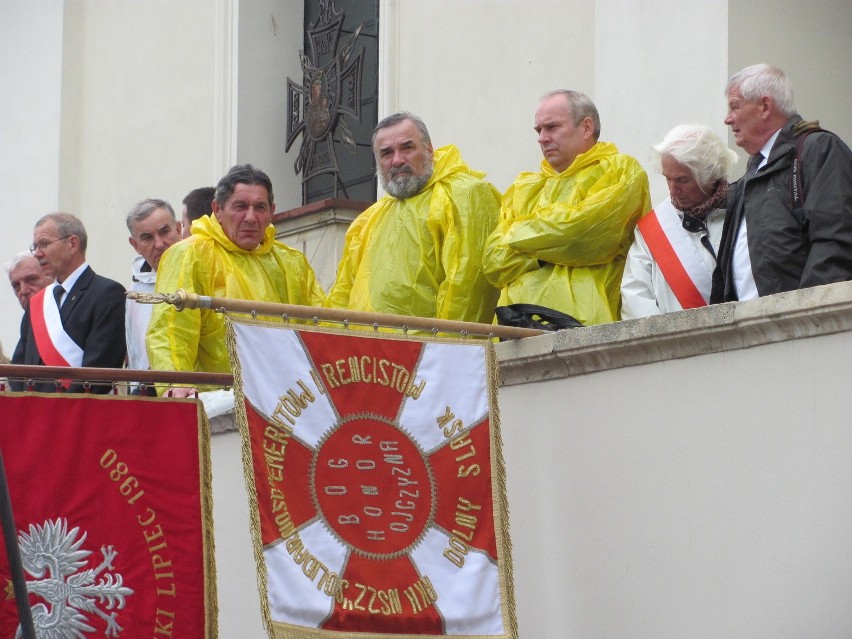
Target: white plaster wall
(699,497)
(474,71)
(270,37)
(659,64)
(239,601)
(113,104)
(137,113)
(812,43)
(30,77)
(477,76)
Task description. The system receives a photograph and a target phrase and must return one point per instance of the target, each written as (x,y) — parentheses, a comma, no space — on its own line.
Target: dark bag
(534,316)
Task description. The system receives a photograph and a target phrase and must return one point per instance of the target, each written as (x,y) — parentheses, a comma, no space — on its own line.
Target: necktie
(753,163)
(58,292)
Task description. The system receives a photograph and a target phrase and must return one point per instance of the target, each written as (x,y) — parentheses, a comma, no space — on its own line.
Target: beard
(401,183)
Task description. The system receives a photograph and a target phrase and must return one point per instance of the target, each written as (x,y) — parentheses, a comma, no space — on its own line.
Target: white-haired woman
(670,265)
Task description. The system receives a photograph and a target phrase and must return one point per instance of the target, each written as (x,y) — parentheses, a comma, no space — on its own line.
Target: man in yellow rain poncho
(564,232)
(231,253)
(418,250)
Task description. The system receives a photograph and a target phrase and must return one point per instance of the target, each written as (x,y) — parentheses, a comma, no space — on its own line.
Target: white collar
(767,148)
(71,280)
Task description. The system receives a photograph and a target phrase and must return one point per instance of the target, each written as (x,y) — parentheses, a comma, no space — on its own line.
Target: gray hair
(580,107)
(760,80)
(144,208)
(698,148)
(15,261)
(402,116)
(67,225)
(242,174)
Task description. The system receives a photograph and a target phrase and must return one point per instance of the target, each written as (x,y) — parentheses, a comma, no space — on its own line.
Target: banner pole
(183,299)
(13,553)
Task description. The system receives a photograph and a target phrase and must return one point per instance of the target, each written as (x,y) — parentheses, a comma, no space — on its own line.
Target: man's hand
(182,392)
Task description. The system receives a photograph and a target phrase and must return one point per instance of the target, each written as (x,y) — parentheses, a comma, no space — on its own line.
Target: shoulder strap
(801,131)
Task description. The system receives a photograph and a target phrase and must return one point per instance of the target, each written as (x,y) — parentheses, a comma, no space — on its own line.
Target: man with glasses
(79,319)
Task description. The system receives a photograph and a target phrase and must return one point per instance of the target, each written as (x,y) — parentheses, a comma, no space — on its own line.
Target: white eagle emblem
(51,553)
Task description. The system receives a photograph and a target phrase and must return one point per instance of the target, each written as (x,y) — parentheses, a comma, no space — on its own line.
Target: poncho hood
(208,227)
(594,155)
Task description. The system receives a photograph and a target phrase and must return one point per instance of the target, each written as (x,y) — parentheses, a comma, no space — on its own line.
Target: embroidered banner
(111,497)
(377,483)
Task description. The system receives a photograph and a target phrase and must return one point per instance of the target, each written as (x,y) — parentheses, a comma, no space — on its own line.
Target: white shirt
(70,281)
(137,316)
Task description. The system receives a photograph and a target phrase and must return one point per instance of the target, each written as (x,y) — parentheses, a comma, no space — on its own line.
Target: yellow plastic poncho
(208,263)
(422,256)
(562,237)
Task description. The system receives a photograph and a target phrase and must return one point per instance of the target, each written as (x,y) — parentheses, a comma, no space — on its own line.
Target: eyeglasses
(42,245)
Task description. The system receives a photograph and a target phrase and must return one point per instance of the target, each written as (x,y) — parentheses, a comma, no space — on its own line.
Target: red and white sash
(684,269)
(55,346)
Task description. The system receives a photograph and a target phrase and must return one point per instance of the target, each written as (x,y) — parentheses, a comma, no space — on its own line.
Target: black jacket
(792,249)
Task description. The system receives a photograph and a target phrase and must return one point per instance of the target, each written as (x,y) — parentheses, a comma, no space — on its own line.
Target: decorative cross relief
(329,91)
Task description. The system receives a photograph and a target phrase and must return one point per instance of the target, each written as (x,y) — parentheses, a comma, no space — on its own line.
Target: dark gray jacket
(791,249)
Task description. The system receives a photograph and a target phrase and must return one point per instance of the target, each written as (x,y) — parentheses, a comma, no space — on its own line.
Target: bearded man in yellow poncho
(418,250)
(564,232)
(231,253)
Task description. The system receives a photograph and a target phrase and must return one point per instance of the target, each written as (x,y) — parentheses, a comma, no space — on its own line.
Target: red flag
(378,480)
(111,497)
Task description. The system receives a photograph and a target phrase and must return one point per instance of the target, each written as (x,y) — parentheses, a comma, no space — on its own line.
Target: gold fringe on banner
(504,541)
(248,478)
(211,605)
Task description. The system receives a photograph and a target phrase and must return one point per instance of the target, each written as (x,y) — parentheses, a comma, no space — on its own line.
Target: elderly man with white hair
(789,222)
(670,265)
(27,277)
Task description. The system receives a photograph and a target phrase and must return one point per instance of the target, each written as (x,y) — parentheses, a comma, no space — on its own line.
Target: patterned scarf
(717,200)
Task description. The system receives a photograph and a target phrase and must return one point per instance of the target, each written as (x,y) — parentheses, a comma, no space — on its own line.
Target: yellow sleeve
(173,336)
(590,227)
(502,264)
(468,219)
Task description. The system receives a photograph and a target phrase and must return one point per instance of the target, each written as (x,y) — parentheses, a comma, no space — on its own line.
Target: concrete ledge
(821,310)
